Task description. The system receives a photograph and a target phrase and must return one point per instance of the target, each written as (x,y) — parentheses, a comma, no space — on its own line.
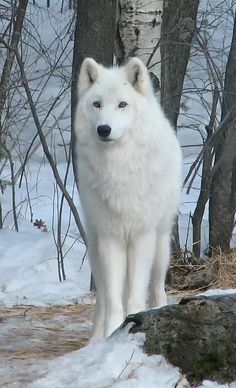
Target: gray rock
(198,335)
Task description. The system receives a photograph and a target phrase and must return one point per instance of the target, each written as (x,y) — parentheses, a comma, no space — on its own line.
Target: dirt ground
(30,335)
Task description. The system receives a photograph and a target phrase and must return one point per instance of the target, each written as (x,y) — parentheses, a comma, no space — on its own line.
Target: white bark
(140,30)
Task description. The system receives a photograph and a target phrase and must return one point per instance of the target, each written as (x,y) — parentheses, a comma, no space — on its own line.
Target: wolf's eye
(122,104)
(97,104)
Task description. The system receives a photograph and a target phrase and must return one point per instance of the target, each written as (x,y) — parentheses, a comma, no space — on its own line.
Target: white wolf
(129,169)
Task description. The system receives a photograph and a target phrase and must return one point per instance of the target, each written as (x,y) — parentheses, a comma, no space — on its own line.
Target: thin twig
(12,188)
(212,141)
(126,364)
(53,233)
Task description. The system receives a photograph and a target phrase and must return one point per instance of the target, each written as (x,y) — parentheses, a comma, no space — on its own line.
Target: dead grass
(199,275)
(226,271)
(44,332)
(30,334)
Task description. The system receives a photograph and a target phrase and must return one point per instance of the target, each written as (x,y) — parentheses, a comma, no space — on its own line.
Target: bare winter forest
(46,290)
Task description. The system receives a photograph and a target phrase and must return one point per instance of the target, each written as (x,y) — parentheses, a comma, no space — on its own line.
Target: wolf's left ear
(138,76)
(89,72)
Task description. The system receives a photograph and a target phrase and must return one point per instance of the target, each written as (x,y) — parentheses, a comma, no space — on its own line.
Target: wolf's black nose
(104,130)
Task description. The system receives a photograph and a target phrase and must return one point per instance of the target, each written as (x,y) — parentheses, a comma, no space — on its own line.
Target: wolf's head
(111,99)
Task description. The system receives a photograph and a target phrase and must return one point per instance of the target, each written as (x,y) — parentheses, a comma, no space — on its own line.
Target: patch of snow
(28,270)
(210,384)
(219,291)
(115,362)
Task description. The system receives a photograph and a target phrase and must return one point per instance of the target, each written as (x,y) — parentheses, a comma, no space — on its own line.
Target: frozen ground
(30,334)
(116,362)
(39,350)
(28,258)
(28,271)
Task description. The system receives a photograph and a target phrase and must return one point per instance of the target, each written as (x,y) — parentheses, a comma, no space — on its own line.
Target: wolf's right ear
(89,72)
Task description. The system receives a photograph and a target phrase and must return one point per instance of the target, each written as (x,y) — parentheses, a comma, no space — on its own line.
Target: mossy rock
(198,335)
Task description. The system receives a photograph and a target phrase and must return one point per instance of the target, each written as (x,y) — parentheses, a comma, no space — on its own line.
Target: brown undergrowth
(44,331)
(198,275)
(29,335)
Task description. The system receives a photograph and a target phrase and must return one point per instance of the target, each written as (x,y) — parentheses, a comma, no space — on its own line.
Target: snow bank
(116,362)
(28,270)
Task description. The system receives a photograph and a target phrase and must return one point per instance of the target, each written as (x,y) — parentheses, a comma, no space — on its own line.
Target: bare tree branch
(46,149)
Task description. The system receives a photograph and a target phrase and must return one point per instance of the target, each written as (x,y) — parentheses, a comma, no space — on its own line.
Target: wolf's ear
(89,72)
(138,76)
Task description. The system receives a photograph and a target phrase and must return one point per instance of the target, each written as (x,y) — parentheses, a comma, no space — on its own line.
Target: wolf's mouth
(105,140)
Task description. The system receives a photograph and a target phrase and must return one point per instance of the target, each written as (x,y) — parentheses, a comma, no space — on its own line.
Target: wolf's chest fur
(124,183)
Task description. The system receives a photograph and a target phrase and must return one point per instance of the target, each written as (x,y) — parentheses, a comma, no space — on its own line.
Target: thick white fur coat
(129,183)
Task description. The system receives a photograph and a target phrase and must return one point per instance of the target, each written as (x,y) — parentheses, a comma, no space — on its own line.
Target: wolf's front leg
(99,316)
(140,260)
(160,267)
(112,259)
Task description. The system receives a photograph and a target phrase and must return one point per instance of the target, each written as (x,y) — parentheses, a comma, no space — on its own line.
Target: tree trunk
(94,37)
(222,206)
(139,32)
(178,28)
(6,72)
(205,181)
(197,335)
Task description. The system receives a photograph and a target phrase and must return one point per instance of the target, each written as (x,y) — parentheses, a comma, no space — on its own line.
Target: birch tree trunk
(139,32)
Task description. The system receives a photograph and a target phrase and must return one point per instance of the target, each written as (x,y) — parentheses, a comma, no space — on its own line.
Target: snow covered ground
(28,259)
(116,362)
(28,270)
